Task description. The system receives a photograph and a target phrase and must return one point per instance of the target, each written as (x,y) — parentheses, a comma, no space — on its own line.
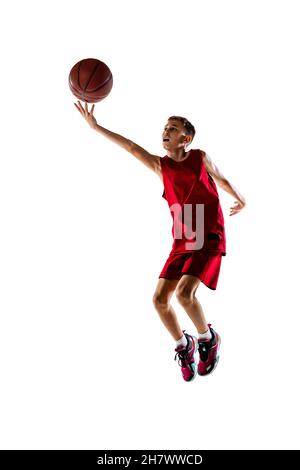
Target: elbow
(223,183)
(128,145)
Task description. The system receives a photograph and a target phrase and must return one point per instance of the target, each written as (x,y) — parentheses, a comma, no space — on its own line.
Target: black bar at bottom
(136,459)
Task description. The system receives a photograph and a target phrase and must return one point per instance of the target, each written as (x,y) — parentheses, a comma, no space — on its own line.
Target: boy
(188,179)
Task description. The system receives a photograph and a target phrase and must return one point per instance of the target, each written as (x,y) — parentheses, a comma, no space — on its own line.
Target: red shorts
(206,266)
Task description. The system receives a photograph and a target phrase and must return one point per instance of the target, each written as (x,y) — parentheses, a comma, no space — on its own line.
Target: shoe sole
(216,361)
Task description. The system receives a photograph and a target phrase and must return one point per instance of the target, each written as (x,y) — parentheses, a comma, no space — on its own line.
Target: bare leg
(185,293)
(161,301)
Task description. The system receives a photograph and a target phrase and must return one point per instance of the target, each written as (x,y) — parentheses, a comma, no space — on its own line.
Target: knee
(184,295)
(159,301)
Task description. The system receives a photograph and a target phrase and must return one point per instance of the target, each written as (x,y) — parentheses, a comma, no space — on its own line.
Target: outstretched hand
(88,115)
(239,205)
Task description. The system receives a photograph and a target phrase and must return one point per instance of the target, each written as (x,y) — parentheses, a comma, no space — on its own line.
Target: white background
(85,361)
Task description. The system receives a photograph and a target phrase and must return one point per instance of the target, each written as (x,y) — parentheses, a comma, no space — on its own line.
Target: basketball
(90,80)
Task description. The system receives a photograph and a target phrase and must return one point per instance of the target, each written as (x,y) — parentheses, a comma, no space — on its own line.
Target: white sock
(181,341)
(205,336)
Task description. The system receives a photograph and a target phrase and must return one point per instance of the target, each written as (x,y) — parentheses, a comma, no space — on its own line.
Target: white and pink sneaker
(186,357)
(209,353)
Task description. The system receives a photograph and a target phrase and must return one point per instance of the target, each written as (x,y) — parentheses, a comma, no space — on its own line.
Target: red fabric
(205,266)
(188,182)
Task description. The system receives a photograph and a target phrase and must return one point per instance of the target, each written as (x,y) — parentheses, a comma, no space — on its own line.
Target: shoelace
(182,357)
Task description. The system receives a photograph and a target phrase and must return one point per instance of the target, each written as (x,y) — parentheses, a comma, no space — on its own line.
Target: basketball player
(189,180)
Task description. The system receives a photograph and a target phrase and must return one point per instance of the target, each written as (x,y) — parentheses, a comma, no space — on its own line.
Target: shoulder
(201,154)
(205,159)
(199,151)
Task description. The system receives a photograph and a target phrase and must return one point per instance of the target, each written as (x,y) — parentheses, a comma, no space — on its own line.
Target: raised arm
(151,161)
(223,182)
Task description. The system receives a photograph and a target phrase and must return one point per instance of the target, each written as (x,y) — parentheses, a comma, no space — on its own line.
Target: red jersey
(193,199)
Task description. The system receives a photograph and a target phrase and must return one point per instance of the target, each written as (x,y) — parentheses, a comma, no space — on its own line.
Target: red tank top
(193,199)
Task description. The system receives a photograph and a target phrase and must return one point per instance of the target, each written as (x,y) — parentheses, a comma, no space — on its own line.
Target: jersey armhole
(202,153)
(202,158)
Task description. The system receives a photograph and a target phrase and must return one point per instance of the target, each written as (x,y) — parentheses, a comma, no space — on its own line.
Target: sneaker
(209,353)
(186,357)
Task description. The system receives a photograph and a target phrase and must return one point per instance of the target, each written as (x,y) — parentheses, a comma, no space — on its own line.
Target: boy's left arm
(220,179)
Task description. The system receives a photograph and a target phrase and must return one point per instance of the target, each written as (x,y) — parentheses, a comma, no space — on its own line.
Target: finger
(92,109)
(78,108)
(86,107)
(80,105)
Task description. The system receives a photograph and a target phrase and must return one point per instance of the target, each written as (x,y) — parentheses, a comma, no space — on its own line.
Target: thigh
(165,288)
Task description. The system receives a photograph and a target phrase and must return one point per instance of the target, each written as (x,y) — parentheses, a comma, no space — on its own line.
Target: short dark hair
(188,127)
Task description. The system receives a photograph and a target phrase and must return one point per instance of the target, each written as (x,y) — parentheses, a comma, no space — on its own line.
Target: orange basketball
(90,80)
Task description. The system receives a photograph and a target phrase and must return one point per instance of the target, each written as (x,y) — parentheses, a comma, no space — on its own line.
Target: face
(174,133)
